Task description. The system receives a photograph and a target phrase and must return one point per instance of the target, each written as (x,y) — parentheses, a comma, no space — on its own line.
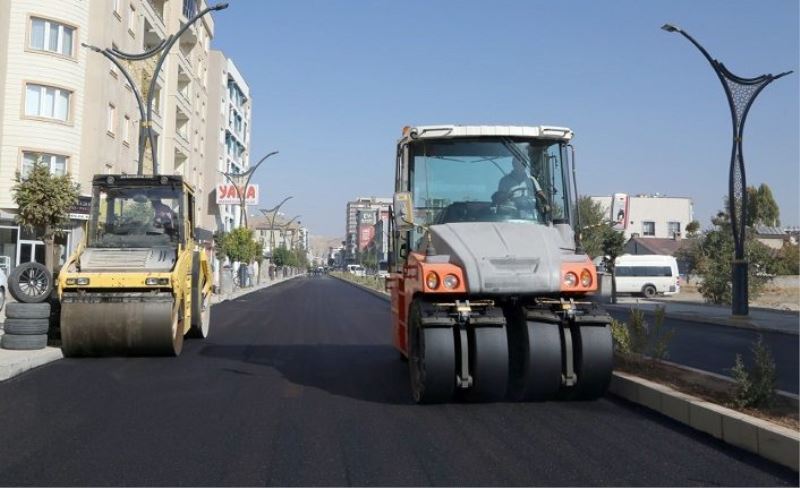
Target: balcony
(154,15)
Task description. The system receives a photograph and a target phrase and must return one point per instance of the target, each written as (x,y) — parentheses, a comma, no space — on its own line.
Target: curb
(219,298)
(375,292)
(773,442)
(758,309)
(705,320)
(17,362)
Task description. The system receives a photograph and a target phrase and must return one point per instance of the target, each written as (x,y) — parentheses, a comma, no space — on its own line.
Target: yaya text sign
(229,195)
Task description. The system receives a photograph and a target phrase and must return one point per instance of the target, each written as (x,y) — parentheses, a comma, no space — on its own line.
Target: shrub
(637,337)
(755,387)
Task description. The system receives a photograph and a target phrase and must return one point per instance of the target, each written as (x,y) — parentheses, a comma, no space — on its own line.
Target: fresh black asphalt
(299,385)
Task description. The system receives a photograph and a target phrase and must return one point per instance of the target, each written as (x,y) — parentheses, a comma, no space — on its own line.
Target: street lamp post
(274,211)
(241,190)
(741,92)
(113,54)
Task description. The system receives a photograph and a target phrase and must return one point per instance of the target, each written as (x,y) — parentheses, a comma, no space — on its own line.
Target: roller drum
(120,324)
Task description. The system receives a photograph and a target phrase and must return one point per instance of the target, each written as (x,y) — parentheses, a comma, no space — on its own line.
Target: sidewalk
(759,319)
(13,363)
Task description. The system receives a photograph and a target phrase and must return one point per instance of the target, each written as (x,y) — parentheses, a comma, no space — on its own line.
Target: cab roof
(454,131)
(120,180)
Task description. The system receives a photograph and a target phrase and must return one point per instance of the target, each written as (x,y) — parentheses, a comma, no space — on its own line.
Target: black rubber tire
(431,359)
(21,287)
(16,310)
(177,324)
(26,326)
(649,291)
(488,364)
(23,342)
(534,359)
(201,318)
(594,361)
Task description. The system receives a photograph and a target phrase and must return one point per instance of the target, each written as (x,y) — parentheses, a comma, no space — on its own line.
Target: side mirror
(403,211)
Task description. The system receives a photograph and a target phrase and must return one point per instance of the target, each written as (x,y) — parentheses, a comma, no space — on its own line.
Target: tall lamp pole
(274,211)
(241,190)
(741,92)
(113,54)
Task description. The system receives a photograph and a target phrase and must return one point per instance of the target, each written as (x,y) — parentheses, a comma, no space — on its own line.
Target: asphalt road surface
(714,348)
(298,385)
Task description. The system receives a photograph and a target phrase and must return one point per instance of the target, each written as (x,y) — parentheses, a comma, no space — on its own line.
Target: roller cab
(489,288)
(138,284)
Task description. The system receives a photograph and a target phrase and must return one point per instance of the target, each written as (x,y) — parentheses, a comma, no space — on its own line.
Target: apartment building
(74,110)
(227,138)
(648,216)
(353,239)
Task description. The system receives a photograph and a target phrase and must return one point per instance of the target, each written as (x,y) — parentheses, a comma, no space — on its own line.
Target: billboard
(228,194)
(366,231)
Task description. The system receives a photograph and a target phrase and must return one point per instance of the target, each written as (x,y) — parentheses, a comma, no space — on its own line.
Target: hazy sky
(334,82)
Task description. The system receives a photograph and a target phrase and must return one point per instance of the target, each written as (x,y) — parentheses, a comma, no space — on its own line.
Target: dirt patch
(779,297)
(784,412)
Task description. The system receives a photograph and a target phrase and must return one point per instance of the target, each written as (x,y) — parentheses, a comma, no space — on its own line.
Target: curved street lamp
(274,211)
(741,92)
(241,190)
(146,108)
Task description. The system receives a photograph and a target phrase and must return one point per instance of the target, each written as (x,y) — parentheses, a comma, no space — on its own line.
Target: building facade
(648,216)
(227,139)
(72,109)
(353,238)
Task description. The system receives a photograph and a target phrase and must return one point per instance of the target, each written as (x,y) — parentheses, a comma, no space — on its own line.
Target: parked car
(356,269)
(648,275)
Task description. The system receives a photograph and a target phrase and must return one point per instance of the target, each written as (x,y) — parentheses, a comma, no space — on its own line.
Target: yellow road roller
(138,283)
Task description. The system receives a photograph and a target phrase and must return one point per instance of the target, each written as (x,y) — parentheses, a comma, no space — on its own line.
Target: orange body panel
(404,286)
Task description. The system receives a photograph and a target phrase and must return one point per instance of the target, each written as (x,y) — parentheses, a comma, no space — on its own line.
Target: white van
(356,269)
(647,274)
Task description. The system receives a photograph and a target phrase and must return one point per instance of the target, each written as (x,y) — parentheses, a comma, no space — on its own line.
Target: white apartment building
(648,216)
(71,108)
(227,139)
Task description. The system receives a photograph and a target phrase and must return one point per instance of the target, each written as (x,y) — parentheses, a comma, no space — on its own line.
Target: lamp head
(220,6)
(670,28)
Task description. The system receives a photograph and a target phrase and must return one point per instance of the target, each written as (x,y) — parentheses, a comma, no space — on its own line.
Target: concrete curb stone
(774,442)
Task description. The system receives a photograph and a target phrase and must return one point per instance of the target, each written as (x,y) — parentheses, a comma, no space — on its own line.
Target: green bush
(755,387)
(637,337)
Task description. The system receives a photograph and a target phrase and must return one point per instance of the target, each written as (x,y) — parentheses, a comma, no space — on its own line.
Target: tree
(787,262)
(43,201)
(239,245)
(761,207)
(594,225)
(613,244)
(692,228)
(714,262)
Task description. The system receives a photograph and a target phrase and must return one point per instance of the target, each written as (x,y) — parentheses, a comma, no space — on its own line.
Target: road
(712,347)
(298,385)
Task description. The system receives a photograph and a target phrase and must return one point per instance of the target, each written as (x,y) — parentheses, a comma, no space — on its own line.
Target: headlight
(570,279)
(78,281)
(586,278)
(432,280)
(450,281)
(156,281)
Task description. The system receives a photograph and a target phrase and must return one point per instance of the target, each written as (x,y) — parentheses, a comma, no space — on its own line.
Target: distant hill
(319,244)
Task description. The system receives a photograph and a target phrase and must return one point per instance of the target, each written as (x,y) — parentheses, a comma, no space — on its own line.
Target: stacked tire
(28,320)
(26,326)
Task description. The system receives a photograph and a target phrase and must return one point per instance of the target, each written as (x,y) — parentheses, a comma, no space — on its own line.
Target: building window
(52,37)
(189,8)
(126,124)
(47,101)
(117,11)
(673,228)
(110,118)
(648,228)
(132,20)
(56,163)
